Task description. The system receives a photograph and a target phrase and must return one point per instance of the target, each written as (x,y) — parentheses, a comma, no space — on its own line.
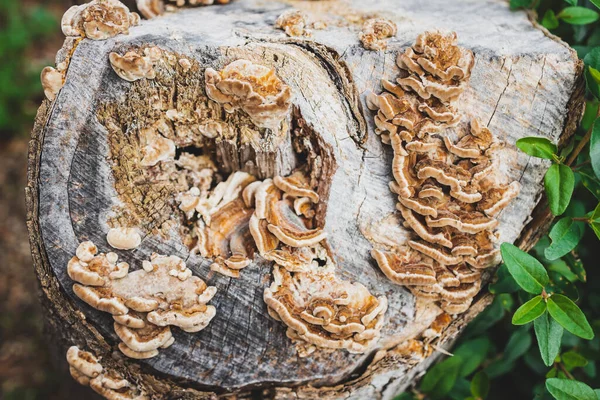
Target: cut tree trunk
(525,82)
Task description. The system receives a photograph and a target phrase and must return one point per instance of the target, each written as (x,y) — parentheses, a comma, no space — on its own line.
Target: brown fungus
(146,302)
(375,32)
(449,189)
(293,22)
(252,88)
(86,369)
(98,19)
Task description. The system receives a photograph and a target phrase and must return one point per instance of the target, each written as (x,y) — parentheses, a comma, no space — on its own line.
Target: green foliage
(578,15)
(538,147)
(569,316)
(549,334)
(529,311)
(565,389)
(20,83)
(528,272)
(559,182)
(565,235)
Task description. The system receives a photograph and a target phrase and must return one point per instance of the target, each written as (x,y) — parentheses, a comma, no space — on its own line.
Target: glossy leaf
(566,389)
(548,333)
(578,15)
(559,182)
(569,316)
(528,272)
(565,235)
(538,147)
(529,311)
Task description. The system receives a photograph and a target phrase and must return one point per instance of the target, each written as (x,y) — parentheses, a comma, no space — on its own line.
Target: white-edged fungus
(86,369)
(449,190)
(52,81)
(134,66)
(98,19)
(253,88)
(293,22)
(146,302)
(375,33)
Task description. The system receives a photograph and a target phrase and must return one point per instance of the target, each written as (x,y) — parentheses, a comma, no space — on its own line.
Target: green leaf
(560,285)
(528,272)
(566,313)
(516,4)
(566,389)
(571,2)
(591,110)
(440,379)
(565,235)
(473,353)
(559,182)
(595,141)
(576,266)
(538,147)
(518,344)
(529,311)
(505,282)
(578,15)
(572,359)
(549,334)
(550,21)
(563,269)
(589,180)
(596,3)
(480,385)
(592,59)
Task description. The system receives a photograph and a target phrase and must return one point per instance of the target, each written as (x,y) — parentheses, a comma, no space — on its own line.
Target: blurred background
(29,38)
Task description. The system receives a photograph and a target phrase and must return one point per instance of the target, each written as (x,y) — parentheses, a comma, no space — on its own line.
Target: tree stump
(524,82)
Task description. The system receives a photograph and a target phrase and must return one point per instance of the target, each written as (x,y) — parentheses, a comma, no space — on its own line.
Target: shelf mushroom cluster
(144,303)
(86,369)
(155,8)
(445,176)
(275,218)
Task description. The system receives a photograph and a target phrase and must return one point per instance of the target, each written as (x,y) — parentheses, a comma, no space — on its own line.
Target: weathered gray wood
(522,85)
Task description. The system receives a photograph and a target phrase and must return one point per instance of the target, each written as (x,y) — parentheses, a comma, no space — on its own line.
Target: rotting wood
(524,83)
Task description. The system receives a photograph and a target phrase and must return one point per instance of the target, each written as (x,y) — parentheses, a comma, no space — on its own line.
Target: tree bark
(525,82)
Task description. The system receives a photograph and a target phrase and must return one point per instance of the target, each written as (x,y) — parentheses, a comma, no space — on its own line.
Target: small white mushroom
(123,238)
(52,81)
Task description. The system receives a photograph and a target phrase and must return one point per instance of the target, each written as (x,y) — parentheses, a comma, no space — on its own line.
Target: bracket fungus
(86,369)
(155,8)
(143,303)
(253,88)
(133,65)
(449,192)
(98,20)
(293,22)
(376,32)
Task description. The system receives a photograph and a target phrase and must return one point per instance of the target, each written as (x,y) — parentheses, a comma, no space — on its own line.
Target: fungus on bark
(98,19)
(376,32)
(293,22)
(86,369)
(449,191)
(144,303)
